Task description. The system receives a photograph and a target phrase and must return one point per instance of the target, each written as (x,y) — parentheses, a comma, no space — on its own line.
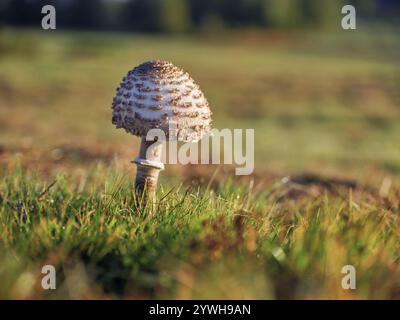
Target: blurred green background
(171,16)
(320,98)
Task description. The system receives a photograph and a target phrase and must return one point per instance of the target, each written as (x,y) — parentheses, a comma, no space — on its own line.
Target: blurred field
(326,111)
(316,101)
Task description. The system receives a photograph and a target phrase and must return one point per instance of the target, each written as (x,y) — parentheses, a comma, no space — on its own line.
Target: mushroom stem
(149,166)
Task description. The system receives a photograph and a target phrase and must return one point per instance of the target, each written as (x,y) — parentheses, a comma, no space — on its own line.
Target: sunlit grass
(222,243)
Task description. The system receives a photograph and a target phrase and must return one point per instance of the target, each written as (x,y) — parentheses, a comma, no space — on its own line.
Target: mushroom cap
(157,94)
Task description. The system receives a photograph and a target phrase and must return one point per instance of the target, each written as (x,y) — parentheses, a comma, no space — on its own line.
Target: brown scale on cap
(156,108)
(175,100)
(139,105)
(175,90)
(156,93)
(157,98)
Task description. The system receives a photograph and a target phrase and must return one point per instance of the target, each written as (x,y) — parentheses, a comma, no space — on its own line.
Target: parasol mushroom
(156,95)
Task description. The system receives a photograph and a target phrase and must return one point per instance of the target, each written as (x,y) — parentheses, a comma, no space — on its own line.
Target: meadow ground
(325,191)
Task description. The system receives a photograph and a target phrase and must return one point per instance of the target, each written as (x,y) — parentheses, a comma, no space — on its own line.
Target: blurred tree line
(190,15)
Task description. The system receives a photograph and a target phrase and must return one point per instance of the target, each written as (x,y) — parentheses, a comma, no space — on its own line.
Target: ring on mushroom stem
(155,95)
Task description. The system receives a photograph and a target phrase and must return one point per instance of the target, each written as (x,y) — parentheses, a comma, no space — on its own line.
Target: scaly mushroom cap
(157,94)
